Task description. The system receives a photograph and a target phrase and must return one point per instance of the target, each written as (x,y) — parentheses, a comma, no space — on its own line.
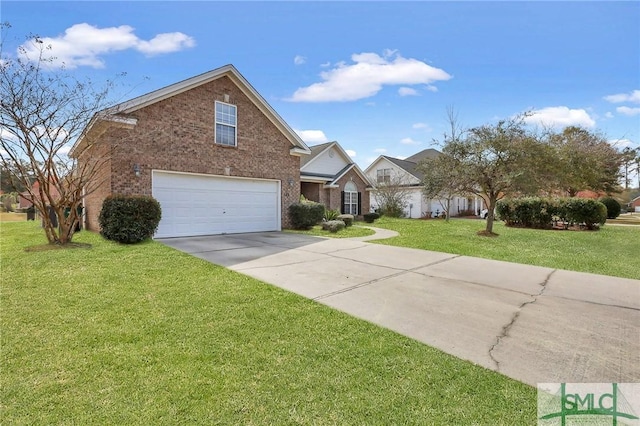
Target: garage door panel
(205,205)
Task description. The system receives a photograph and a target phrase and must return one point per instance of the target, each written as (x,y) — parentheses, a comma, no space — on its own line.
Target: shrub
(532,212)
(370,217)
(129,219)
(613,207)
(333,225)
(331,214)
(346,218)
(589,212)
(528,212)
(392,210)
(306,214)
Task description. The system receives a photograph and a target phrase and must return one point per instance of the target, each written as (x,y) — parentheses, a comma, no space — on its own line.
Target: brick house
(328,176)
(210,149)
(635,204)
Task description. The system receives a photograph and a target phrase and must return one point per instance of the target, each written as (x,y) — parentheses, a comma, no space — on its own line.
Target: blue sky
(375,76)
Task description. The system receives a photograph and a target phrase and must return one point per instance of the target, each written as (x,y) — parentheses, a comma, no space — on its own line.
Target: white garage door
(205,205)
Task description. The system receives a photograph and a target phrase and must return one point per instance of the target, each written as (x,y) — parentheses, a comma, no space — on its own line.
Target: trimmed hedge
(333,225)
(370,217)
(346,218)
(129,219)
(541,213)
(306,214)
(613,207)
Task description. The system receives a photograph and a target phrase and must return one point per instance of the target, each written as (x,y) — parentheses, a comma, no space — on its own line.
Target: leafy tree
(9,182)
(494,161)
(585,161)
(630,165)
(43,112)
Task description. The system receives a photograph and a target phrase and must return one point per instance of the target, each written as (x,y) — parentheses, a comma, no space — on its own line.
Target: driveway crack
(386,277)
(505,330)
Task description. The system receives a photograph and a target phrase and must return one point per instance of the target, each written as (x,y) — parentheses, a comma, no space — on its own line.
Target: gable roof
(316,150)
(329,178)
(112,113)
(410,164)
(425,153)
(410,167)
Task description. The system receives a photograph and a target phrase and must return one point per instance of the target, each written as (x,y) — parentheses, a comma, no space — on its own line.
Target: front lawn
(613,250)
(144,334)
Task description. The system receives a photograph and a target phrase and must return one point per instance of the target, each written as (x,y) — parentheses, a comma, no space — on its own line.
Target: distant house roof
(410,164)
(330,179)
(425,153)
(590,194)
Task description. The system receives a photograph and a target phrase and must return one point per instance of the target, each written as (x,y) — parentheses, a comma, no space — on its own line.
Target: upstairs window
(226,119)
(383,175)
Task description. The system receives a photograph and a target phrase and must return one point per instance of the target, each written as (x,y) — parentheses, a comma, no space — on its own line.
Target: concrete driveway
(534,324)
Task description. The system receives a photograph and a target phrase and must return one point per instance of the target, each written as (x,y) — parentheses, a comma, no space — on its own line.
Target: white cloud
(560,116)
(621,143)
(409,141)
(84,45)
(312,136)
(407,91)
(628,111)
(380,150)
(165,43)
(64,150)
(432,88)
(369,161)
(351,153)
(608,115)
(366,76)
(326,65)
(633,96)
(420,125)
(299,60)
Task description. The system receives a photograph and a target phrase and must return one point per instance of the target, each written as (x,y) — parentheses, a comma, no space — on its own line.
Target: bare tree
(392,196)
(43,112)
(442,179)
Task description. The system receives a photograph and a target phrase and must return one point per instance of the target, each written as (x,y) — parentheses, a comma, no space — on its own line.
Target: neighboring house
(24,197)
(590,194)
(210,149)
(389,170)
(635,204)
(328,176)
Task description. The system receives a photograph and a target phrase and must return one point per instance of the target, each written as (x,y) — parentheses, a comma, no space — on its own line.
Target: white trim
(216,122)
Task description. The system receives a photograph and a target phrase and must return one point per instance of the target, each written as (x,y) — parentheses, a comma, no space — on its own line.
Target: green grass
(349,232)
(144,334)
(613,250)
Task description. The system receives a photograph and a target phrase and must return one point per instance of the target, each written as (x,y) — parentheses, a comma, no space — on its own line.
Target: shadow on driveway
(233,249)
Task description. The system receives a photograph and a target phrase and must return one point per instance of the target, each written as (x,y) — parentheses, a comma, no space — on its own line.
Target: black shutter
(342,202)
(359,203)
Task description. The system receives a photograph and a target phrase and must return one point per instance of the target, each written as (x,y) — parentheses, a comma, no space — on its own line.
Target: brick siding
(177,134)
